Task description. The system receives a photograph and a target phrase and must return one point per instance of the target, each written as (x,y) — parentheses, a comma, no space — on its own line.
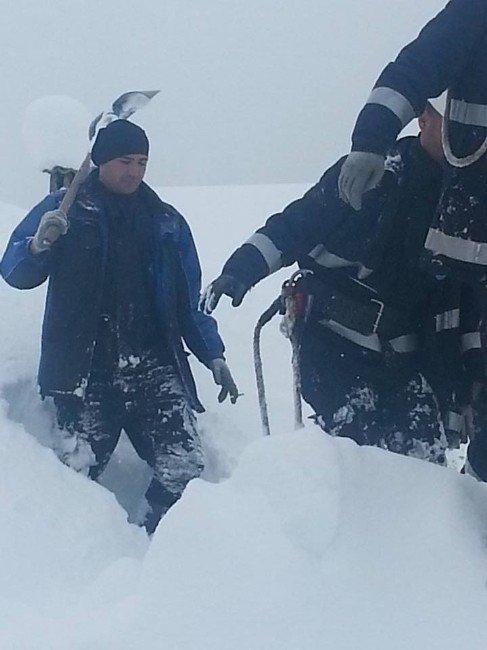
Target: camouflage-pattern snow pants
(401,416)
(148,402)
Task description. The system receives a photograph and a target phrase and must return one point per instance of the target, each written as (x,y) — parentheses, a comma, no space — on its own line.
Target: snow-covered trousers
(147,401)
(401,416)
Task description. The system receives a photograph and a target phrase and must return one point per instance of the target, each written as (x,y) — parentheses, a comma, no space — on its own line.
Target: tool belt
(365,317)
(355,307)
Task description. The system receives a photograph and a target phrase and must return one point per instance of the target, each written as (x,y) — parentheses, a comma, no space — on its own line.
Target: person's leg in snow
(411,421)
(149,403)
(162,429)
(404,419)
(401,415)
(344,404)
(88,429)
(347,411)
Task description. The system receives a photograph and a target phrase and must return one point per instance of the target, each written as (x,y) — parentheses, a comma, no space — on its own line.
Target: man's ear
(422,120)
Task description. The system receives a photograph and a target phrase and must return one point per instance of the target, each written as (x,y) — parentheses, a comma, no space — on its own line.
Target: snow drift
(297,541)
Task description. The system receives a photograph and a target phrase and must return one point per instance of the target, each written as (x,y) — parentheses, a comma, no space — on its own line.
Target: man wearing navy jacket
(388,353)
(450,54)
(124,285)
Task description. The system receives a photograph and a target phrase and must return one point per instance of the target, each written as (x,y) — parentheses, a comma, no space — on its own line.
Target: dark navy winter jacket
(449,53)
(323,234)
(75,269)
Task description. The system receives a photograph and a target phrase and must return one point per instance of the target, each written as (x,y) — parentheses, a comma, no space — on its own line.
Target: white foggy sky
(253,91)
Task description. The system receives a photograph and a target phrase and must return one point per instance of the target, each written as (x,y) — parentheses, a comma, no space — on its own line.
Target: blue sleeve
(18,267)
(199,330)
(436,60)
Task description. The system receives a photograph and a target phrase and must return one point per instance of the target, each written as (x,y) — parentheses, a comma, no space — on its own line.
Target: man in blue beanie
(124,286)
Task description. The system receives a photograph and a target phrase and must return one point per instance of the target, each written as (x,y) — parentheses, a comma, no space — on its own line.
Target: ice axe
(122,108)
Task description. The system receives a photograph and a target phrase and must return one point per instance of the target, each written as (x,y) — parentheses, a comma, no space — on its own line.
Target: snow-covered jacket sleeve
(288,236)
(427,66)
(19,267)
(199,330)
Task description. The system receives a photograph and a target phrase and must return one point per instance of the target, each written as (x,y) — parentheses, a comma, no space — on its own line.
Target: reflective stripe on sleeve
(394,101)
(463,250)
(268,250)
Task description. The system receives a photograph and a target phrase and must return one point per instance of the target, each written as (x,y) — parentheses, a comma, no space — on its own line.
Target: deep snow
(296,541)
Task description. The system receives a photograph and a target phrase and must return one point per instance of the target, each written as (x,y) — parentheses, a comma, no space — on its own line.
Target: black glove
(224,284)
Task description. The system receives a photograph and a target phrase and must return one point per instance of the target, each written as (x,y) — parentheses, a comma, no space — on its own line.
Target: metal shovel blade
(122,108)
(128,103)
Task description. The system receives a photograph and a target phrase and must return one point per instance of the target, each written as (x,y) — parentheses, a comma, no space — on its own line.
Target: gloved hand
(223,377)
(224,284)
(361,171)
(53,224)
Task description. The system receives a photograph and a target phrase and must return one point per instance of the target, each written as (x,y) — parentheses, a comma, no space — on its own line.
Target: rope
(269,313)
(288,328)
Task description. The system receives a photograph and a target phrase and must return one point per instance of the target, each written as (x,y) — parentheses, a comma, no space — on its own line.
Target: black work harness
(352,309)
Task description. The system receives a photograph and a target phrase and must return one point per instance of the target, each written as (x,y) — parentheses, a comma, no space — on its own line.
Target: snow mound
(293,542)
(59,529)
(55,132)
(314,542)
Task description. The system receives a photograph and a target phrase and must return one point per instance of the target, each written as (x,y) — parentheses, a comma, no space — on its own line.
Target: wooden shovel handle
(68,199)
(79,178)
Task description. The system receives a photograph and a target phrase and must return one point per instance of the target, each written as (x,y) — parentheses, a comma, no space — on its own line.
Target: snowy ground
(296,541)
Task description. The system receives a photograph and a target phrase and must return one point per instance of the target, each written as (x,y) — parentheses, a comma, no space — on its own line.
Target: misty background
(252,91)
